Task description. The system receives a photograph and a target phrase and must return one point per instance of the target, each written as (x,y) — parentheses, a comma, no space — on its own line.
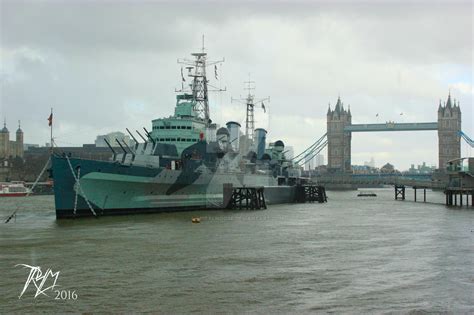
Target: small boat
(13,189)
(367,194)
(196,220)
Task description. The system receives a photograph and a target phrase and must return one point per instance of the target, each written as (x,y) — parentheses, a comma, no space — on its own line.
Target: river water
(351,255)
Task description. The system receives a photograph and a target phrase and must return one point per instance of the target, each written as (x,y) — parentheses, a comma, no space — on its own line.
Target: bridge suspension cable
(314,153)
(466,138)
(312,150)
(311,147)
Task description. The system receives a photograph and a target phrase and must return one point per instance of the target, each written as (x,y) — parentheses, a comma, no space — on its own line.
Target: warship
(183,163)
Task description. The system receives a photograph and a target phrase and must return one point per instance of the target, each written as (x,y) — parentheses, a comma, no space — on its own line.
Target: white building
(371,163)
(290,153)
(318,160)
(309,163)
(110,137)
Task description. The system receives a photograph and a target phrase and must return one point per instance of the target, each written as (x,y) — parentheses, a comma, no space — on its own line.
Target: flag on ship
(50,120)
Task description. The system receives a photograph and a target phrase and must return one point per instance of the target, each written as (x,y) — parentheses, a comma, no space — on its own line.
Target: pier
(310,193)
(452,194)
(244,198)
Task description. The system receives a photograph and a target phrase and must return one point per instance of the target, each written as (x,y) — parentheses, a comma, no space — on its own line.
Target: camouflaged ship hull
(114,189)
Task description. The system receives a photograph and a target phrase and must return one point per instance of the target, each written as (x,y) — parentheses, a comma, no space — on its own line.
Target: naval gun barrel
(149,135)
(141,136)
(131,151)
(134,139)
(123,149)
(110,147)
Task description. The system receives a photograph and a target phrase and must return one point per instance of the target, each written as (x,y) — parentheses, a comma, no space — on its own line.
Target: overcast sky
(105,65)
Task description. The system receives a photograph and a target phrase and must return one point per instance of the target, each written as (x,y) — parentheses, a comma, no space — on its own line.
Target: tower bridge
(340,129)
(392,126)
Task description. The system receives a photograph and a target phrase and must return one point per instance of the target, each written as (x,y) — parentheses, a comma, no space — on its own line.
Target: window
(173,127)
(162,127)
(167,127)
(188,127)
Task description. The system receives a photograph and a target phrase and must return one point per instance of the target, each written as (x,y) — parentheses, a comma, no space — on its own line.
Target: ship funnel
(211,133)
(260,137)
(234,135)
(223,138)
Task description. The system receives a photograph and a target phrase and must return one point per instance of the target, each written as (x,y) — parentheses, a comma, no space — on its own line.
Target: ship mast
(250,103)
(199,85)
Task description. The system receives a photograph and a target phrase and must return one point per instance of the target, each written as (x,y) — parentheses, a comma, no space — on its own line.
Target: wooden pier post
(310,193)
(399,191)
(247,198)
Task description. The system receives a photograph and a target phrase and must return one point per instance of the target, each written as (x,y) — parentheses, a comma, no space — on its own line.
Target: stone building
(339,141)
(8,148)
(449,125)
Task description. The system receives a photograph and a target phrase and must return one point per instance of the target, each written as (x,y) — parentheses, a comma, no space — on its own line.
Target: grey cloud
(105,66)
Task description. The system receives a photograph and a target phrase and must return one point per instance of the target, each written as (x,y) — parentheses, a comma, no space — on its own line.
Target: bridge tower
(339,142)
(449,124)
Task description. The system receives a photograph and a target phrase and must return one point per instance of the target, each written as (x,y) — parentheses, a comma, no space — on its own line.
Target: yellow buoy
(196,220)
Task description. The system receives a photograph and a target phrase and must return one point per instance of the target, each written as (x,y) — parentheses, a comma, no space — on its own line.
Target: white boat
(13,189)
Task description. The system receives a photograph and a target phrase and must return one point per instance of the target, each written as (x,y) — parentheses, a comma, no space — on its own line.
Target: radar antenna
(250,101)
(198,87)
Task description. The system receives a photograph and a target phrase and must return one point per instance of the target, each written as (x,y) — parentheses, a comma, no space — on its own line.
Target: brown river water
(350,255)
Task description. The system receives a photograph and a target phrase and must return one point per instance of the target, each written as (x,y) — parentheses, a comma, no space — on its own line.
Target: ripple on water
(346,256)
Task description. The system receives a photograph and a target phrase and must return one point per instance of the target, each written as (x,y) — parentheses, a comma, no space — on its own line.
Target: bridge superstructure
(392,126)
(340,129)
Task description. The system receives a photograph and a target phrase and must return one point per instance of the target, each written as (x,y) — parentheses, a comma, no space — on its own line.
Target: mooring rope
(77,191)
(39,176)
(79,187)
(13,215)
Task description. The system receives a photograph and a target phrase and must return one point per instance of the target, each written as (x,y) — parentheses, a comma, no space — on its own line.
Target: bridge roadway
(392,126)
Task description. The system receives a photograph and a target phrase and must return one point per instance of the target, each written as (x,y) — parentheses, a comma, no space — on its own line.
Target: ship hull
(114,189)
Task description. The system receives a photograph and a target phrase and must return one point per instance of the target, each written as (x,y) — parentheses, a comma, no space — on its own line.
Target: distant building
(371,163)
(8,148)
(87,151)
(319,160)
(26,146)
(387,168)
(421,169)
(290,152)
(100,141)
(309,163)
